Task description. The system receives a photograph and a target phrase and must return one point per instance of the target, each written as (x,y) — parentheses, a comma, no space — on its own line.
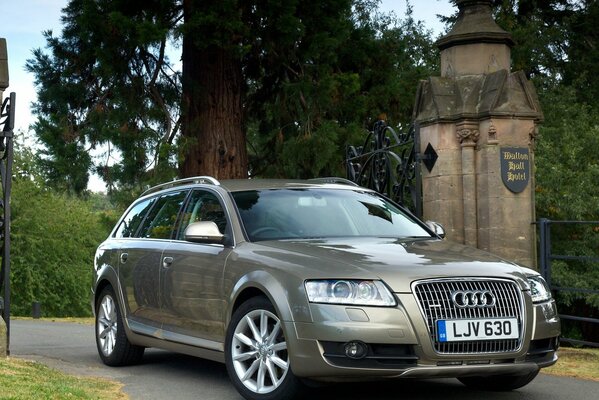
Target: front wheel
(256,353)
(114,347)
(498,383)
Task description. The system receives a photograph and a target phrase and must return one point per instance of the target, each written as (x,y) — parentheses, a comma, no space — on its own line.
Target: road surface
(71,347)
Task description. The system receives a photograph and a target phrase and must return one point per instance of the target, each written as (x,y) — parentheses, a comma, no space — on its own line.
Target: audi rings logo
(473,298)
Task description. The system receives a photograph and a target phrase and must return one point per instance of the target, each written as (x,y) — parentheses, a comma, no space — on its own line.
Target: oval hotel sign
(515,168)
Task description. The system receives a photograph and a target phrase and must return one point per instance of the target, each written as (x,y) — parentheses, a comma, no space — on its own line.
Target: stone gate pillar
(480,119)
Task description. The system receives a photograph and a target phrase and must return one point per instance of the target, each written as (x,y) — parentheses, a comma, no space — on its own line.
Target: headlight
(539,290)
(354,292)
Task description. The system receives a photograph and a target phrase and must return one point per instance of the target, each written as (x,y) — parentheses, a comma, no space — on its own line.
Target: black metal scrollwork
(7,123)
(388,162)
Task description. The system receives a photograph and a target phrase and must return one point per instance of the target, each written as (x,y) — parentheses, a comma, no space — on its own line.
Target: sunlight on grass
(21,379)
(576,363)
(82,321)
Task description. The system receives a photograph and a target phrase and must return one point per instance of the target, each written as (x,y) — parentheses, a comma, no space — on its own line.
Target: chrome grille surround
(434,297)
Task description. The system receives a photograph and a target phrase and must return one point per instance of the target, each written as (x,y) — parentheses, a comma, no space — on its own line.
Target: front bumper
(400,345)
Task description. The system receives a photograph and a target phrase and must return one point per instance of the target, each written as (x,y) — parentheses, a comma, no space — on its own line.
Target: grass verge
(576,363)
(20,379)
(76,320)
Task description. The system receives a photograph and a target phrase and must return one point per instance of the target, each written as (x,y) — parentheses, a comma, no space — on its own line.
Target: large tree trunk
(212,115)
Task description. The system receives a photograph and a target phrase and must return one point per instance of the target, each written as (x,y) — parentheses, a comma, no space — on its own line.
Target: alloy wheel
(107,325)
(259,352)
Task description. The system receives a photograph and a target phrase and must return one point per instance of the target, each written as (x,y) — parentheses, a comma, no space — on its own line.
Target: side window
(203,206)
(131,222)
(162,218)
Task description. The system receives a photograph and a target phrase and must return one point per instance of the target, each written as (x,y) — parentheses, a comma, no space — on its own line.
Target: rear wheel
(113,345)
(256,353)
(498,383)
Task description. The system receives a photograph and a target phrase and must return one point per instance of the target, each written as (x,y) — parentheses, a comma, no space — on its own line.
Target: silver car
(290,282)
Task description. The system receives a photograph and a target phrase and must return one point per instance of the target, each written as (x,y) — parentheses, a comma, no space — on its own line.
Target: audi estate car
(295,282)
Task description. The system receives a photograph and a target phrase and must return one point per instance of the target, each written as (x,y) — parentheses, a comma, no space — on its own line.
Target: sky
(24,21)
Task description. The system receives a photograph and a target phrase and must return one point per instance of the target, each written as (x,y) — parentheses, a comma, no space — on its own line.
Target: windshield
(320,213)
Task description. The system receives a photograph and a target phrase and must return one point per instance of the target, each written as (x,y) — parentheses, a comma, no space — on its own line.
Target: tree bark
(212,129)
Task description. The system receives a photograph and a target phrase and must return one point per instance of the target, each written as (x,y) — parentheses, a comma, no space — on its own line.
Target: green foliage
(567,165)
(54,237)
(106,81)
(315,75)
(351,66)
(581,60)
(556,41)
(567,173)
(540,30)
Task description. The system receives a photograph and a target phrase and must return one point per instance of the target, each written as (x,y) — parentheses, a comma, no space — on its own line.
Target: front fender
(290,306)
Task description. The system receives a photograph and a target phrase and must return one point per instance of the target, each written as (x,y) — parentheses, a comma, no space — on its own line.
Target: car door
(140,260)
(191,277)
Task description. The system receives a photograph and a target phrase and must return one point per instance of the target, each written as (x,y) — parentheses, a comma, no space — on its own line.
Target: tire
(256,353)
(498,383)
(113,345)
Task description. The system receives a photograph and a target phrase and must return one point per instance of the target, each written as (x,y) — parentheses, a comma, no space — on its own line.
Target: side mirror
(437,228)
(204,232)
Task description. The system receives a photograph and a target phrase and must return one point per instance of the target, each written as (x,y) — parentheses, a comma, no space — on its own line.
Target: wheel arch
(107,277)
(246,294)
(99,288)
(260,283)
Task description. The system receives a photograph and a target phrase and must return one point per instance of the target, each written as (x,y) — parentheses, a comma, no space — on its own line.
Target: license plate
(461,330)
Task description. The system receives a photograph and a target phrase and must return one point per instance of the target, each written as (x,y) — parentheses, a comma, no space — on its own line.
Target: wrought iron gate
(7,123)
(547,254)
(389,162)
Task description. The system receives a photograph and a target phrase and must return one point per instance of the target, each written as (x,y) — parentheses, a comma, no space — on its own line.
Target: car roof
(239,185)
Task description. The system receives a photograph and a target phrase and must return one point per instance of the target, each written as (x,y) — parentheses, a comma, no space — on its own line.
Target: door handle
(124,257)
(167,261)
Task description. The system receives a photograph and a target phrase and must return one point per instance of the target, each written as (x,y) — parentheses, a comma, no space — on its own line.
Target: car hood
(398,262)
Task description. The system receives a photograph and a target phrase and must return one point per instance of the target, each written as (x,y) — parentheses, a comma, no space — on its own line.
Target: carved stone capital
(467,135)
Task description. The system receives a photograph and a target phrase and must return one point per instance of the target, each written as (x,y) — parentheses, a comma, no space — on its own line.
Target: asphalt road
(163,375)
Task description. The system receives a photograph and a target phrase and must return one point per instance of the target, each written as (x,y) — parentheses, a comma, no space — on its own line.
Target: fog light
(356,350)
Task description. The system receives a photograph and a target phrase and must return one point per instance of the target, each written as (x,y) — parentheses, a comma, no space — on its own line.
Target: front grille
(434,298)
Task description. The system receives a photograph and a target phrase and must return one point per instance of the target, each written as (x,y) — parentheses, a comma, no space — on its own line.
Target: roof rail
(334,179)
(207,180)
